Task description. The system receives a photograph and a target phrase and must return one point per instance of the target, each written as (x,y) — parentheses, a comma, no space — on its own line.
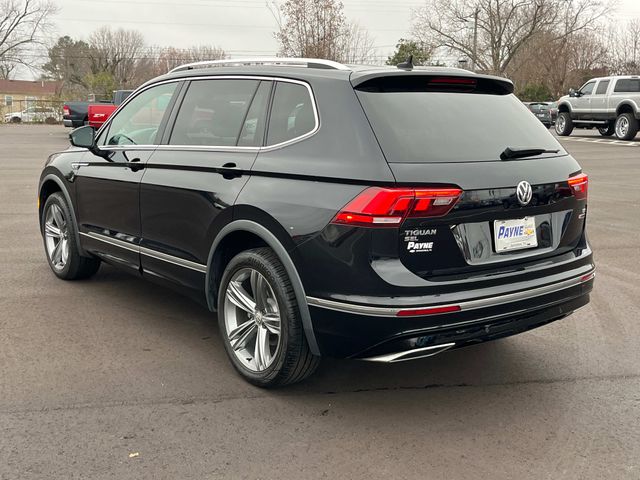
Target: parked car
(34,114)
(610,104)
(330,210)
(542,111)
(77,114)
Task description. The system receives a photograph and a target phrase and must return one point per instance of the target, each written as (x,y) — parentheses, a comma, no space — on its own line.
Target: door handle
(229,165)
(77,165)
(229,171)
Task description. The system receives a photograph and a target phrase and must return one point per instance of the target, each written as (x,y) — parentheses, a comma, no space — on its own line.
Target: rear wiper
(513,153)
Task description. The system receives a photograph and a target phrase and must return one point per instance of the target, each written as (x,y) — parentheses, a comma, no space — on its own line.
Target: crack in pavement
(276,394)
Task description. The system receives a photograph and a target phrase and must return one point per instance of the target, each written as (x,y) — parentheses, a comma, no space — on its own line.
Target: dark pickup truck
(76,114)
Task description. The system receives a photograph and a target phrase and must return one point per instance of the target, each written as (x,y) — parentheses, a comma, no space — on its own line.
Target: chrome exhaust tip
(412,354)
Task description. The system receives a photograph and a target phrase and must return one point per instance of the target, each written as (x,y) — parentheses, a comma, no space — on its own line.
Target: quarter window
(588,88)
(628,85)
(216,112)
(292,113)
(602,87)
(138,121)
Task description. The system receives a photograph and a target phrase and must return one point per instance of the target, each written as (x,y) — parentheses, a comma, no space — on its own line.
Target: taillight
(579,185)
(65,110)
(388,207)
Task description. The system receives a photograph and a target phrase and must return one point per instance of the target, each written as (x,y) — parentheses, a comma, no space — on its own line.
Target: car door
(582,103)
(598,104)
(108,181)
(197,173)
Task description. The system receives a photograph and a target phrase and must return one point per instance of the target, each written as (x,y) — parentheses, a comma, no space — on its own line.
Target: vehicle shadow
(493,363)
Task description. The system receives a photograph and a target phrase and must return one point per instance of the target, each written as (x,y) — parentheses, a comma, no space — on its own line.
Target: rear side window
(292,113)
(213,112)
(252,133)
(602,87)
(420,124)
(628,85)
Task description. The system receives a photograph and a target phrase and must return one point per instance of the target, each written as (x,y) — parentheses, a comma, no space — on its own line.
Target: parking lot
(115,377)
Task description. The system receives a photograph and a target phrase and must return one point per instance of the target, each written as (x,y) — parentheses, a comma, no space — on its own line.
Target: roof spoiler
(413,79)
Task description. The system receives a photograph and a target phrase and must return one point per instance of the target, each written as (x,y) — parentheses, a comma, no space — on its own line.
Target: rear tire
(264,338)
(59,236)
(626,126)
(608,130)
(564,124)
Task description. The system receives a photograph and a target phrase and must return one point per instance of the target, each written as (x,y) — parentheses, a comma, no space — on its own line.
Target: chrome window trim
(198,267)
(464,306)
(214,148)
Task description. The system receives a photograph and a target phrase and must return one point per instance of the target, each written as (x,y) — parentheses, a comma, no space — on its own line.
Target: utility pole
(474,59)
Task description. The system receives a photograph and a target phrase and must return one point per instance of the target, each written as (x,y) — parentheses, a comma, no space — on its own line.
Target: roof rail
(276,61)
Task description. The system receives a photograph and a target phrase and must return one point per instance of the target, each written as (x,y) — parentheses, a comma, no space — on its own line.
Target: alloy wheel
(560,123)
(622,127)
(56,235)
(252,319)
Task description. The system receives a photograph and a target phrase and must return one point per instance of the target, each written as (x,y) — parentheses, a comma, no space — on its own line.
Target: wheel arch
(50,184)
(627,107)
(564,107)
(251,234)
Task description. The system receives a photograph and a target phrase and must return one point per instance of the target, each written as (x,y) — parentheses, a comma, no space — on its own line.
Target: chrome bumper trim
(464,306)
(413,354)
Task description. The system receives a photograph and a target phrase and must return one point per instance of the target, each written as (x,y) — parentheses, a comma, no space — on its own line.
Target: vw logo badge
(524,192)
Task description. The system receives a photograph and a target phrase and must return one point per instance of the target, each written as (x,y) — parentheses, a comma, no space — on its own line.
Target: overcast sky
(240,27)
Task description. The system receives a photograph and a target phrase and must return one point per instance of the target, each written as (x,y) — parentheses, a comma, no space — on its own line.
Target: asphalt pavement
(115,377)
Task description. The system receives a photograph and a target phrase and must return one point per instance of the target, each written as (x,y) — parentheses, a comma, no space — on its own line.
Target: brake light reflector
(579,185)
(428,311)
(388,207)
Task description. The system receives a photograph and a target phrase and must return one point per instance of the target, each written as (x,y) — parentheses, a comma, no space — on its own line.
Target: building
(16,95)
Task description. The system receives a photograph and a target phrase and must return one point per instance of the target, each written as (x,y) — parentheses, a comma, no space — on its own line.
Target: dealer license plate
(515,234)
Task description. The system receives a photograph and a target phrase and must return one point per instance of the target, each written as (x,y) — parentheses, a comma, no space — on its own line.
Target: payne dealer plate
(515,234)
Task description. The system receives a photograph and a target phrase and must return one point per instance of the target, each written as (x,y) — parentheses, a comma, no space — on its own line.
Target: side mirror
(573,93)
(83,137)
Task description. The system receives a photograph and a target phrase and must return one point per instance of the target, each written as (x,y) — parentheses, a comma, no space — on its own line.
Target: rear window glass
(629,85)
(429,127)
(292,113)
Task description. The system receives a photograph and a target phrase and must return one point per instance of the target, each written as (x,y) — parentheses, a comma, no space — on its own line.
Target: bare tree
(356,46)
(21,24)
(494,32)
(118,53)
(624,48)
(312,28)
(169,58)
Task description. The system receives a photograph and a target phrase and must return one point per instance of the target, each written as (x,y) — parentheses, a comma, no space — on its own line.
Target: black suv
(376,213)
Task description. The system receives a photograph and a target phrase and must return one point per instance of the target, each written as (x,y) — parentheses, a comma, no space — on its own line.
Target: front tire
(260,321)
(59,235)
(626,126)
(564,124)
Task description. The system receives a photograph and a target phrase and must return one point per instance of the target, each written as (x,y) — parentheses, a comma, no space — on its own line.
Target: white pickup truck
(611,104)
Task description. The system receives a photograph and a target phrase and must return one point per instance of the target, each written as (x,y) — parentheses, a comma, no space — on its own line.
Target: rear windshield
(430,126)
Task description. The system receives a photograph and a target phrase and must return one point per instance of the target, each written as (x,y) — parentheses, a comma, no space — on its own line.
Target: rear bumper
(346,329)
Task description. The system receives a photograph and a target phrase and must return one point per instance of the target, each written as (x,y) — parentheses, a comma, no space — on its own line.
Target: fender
(271,240)
(67,197)
(565,104)
(630,103)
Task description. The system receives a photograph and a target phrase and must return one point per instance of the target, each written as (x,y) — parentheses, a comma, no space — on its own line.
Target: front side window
(215,112)
(602,87)
(628,85)
(292,113)
(587,89)
(138,121)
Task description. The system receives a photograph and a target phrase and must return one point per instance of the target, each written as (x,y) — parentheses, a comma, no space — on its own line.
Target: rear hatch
(471,138)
